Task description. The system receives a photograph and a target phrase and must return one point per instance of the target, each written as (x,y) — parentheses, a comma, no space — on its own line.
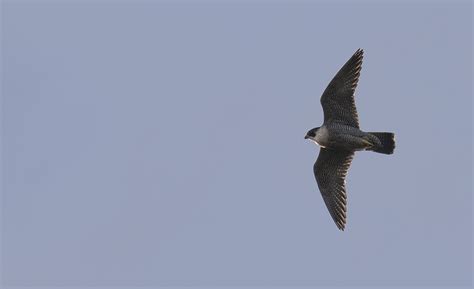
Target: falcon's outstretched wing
(330,170)
(338,98)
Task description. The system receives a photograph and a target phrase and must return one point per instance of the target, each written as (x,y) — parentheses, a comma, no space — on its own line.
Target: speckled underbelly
(347,138)
(348,142)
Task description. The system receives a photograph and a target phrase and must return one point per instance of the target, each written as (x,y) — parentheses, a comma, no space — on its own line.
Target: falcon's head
(311,134)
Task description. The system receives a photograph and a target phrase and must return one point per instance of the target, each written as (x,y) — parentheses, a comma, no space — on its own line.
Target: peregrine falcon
(339,137)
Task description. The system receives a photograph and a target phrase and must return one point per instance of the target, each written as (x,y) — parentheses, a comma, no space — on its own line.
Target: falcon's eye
(311,134)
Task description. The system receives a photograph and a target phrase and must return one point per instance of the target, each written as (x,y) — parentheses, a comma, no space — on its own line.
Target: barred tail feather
(388,142)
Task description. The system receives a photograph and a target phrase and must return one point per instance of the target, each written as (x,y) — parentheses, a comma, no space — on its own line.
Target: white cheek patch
(317,143)
(322,136)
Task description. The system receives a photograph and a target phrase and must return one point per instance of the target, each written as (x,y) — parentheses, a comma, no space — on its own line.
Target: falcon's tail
(388,142)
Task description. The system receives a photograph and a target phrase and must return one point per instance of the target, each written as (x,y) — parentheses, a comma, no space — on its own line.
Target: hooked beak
(306,136)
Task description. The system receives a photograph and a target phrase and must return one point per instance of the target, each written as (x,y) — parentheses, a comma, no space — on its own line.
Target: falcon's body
(344,137)
(340,136)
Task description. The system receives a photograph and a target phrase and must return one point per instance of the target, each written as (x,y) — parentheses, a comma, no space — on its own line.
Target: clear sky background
(159,143)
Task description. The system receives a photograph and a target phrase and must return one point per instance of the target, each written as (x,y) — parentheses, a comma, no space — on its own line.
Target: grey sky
(157,143)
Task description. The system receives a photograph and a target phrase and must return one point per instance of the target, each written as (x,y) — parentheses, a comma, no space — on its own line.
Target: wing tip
(341,225)
(358,56)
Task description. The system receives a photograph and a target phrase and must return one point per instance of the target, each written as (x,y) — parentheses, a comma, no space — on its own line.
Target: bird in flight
(340,136)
